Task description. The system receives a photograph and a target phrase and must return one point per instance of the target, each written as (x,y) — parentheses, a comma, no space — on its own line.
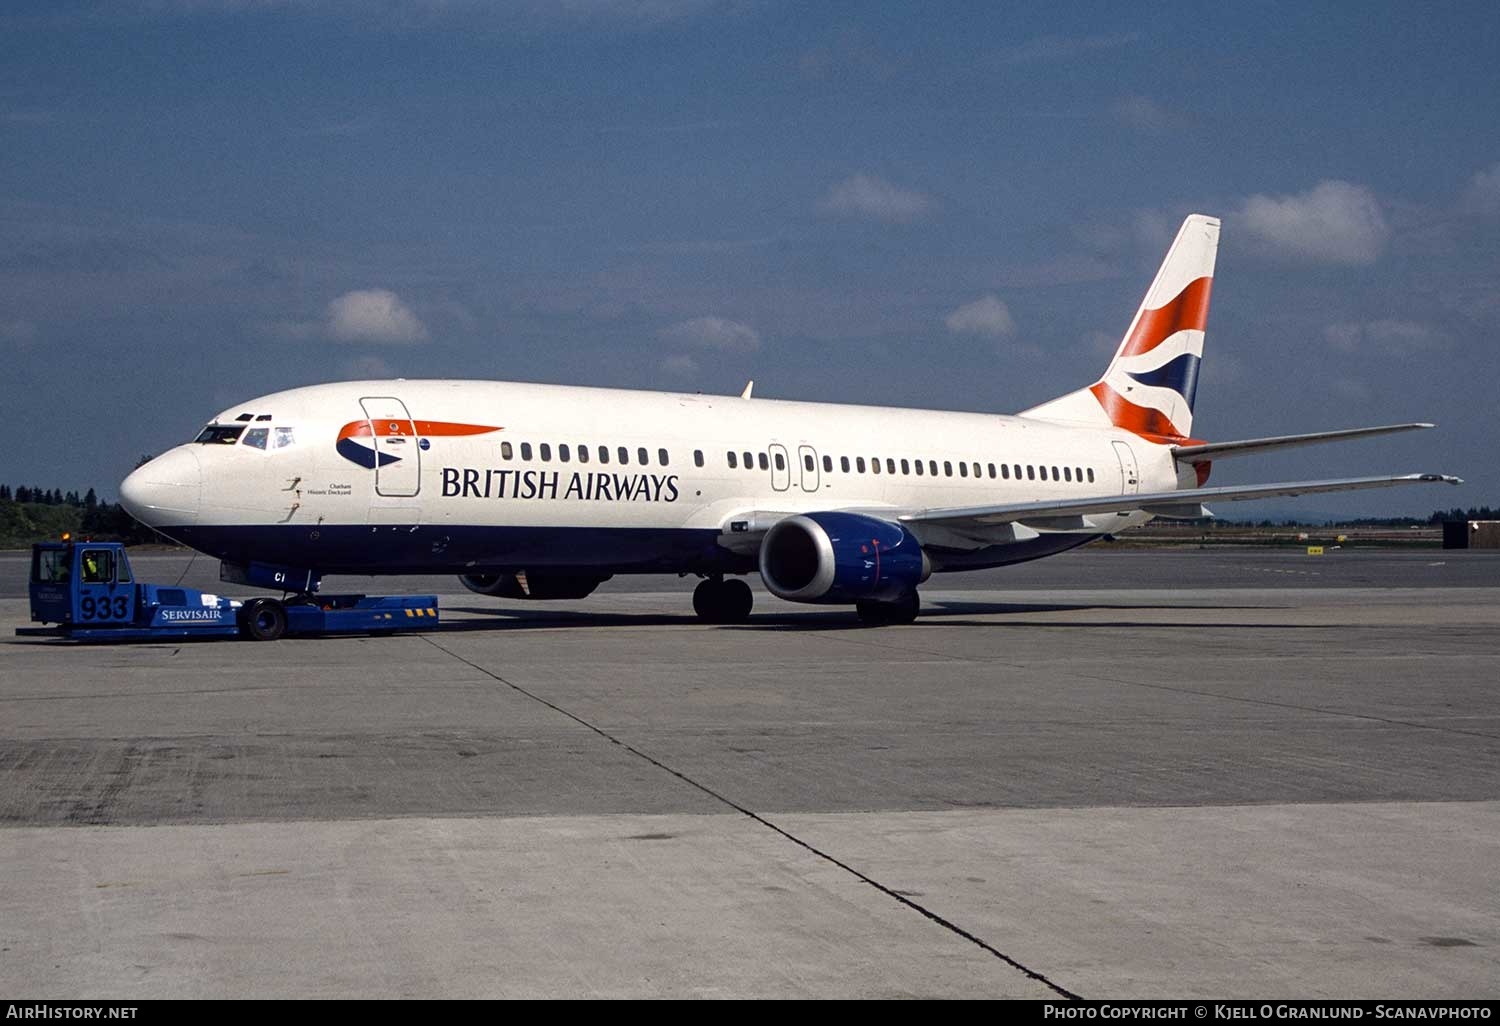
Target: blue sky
(949,205)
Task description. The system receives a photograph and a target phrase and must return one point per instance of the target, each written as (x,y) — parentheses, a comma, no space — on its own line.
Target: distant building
(1471,534)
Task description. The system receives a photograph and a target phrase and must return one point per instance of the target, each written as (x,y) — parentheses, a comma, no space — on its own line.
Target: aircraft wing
(1206,451)
(1179,503)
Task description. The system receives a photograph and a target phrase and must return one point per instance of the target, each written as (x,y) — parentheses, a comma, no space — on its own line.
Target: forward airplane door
(398,456)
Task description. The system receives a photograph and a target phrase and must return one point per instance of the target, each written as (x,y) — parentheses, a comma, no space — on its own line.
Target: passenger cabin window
(624,455)
(506,452)
(1030,472)
(844,464)
(947,468)
(661,457)
(563,453)
(1005,471)
(256,438)
(963,470)
(733,462)
(906,467)
(1091,475)
(859,463)
(827,464)
(750,462)
(603,454)
(644,459)
(1067,473)
(583,454)
(874,464)
(697,457)
(765,464)
(780,462)
(525,450)
(807,463)
(220,434)
(992,471)
(890,465)
(545,451)
(917,466)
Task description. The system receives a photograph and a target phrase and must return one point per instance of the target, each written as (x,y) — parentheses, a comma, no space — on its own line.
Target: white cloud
(714,333)
(986,316)
(1334,223)
(869,197)
(1482,196)
(373,315)
(1391,337)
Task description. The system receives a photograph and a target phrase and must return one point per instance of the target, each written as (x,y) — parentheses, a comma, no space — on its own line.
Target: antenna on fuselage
(749,385)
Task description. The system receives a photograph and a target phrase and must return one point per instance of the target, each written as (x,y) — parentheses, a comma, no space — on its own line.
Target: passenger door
(398,453)
(781,470)
(808,457)
(1130,478)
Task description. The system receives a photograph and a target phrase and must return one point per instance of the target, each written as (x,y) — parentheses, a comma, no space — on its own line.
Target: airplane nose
(165,491)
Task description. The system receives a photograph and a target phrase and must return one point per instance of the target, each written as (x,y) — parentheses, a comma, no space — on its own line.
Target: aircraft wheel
(263,619)
(707,600)
(735,601)
(880,614)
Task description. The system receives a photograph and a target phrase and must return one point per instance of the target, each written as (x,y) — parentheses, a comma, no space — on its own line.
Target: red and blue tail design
(1152,381)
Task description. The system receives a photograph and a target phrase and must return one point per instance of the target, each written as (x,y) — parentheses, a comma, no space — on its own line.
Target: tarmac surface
(1113,773)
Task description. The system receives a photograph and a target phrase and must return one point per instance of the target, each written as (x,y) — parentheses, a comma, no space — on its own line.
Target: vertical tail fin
(1152,381)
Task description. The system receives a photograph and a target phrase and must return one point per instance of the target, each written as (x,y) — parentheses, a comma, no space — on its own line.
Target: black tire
(707,600)
(263,619)
(881,614)
(735,601)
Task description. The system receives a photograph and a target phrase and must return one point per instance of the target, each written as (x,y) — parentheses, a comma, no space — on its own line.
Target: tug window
(733,462)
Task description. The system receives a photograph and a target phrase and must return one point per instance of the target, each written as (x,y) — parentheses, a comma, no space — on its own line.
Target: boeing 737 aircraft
(542,491)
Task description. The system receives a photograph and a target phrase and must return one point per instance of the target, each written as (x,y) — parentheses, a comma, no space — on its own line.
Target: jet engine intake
(841,557)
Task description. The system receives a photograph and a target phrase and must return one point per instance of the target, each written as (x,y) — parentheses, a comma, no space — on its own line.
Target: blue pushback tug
(86,589)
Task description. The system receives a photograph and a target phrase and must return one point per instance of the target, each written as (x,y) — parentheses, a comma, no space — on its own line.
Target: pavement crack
(751,814)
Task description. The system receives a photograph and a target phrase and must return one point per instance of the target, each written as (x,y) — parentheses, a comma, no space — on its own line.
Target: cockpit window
(220,434)
(256,438)
(284,438)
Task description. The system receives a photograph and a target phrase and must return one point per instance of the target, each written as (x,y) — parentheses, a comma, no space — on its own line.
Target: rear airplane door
(1130,478)
(398,457)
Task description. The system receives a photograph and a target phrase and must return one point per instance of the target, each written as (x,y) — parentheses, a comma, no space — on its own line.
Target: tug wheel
(263,619)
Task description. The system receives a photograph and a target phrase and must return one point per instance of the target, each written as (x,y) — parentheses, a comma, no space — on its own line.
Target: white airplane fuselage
(540,482)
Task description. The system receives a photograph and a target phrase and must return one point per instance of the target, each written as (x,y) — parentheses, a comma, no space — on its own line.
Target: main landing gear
(716,600)
(882,614)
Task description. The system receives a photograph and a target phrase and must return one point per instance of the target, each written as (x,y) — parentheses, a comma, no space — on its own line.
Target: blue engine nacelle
(841,557)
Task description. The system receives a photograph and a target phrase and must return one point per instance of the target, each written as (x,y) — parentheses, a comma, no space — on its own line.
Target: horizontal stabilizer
(1161,503)
(1204,452)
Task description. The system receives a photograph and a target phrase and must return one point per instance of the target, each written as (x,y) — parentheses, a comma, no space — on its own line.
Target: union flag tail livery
(528,491)
(1152,381)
